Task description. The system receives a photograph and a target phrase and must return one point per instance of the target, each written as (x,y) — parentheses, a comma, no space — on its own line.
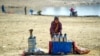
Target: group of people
(73,12)
(56,27)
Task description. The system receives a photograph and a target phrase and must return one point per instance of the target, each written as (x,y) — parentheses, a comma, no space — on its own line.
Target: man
(56,27)
(72,11)
(25,9)
(3,8)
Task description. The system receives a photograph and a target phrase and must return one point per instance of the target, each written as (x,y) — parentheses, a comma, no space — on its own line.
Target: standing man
(72,11)
(56,27)
(25,9)
(3,9)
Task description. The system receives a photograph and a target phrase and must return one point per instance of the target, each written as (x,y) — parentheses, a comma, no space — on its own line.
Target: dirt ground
(14,32)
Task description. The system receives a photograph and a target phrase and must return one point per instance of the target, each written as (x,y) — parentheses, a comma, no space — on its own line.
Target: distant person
(3,9)
(39,12)
(31,11)
(56,27)
(25,9)
(73,12)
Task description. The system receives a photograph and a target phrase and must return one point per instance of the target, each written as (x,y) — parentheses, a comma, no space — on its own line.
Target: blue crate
(61,47)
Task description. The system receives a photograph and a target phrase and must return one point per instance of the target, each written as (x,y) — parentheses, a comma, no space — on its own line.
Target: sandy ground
(14,32)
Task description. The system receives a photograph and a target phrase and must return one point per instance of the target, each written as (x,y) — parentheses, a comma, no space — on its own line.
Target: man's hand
(56,30)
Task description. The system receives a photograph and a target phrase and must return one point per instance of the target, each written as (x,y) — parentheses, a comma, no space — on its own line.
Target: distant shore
(39,4)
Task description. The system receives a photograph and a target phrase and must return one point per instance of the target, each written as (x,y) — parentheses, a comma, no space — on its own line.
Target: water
(82,10)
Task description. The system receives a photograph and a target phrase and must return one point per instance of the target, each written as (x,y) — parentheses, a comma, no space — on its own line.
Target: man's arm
(60,28)
(52,28)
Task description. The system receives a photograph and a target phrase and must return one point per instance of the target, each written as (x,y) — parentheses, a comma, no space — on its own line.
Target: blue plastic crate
(61,47)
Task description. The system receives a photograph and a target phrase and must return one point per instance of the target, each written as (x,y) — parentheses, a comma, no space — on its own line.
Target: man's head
(56,19)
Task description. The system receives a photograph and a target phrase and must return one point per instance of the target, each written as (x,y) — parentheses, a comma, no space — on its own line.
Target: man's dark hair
(56,18)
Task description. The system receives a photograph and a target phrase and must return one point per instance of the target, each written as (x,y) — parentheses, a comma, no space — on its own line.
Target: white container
(56,38)
(31,44)
(65,37)
(61,38)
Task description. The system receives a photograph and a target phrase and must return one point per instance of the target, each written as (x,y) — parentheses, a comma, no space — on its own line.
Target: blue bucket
(61,47)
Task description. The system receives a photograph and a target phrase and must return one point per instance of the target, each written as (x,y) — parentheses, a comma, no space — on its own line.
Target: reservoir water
(82,10)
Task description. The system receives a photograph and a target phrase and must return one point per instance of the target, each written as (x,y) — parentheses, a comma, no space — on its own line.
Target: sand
(14,32)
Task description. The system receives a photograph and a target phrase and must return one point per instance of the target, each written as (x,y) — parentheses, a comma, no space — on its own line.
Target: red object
(74,47)
(50,47)
(23,54)
(72,9)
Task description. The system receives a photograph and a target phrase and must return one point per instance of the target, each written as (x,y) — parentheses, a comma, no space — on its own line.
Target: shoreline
(43,3)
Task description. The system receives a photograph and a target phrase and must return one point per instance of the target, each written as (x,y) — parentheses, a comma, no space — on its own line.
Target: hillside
(44,3)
